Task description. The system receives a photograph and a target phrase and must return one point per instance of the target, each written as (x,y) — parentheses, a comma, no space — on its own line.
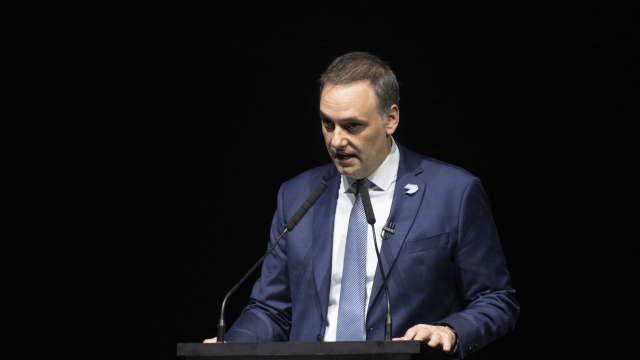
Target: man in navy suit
(446,273)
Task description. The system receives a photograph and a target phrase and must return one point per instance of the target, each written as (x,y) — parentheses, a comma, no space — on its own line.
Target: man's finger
(410,334)
(423,334)
(435,339)
(446,344)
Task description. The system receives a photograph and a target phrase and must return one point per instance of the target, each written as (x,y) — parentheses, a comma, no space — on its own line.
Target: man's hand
(435,336)
(212,340)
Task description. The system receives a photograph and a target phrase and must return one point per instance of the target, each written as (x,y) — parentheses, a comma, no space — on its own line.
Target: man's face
(356,138)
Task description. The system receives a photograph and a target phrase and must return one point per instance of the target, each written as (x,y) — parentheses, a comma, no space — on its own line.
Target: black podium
(356,350)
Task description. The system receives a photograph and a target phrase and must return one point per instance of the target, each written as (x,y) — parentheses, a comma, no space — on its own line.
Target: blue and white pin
(411,188)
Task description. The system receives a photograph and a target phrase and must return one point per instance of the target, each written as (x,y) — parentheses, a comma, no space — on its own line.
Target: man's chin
(350,171)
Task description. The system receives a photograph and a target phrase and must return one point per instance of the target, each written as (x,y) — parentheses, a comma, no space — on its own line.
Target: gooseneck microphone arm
(288,227)
(221,323)
(371,219)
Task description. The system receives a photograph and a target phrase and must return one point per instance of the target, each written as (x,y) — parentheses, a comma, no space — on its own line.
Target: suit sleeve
(268,315)
(483,284)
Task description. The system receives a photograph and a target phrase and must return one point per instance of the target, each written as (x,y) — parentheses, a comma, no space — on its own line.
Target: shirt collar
(384,176)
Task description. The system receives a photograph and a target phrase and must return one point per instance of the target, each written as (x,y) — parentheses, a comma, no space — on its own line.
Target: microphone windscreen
(322,186)
(366,203)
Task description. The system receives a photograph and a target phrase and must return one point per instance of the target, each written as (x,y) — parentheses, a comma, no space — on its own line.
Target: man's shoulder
(441,177)
(314,176)
(430,168)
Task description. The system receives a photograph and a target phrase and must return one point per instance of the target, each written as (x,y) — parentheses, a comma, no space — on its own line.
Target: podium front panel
(344,350)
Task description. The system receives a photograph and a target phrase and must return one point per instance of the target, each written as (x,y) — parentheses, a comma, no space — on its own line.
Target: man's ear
(392,119)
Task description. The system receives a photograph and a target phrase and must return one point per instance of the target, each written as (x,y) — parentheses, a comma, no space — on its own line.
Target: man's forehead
(355,101)
(347,95)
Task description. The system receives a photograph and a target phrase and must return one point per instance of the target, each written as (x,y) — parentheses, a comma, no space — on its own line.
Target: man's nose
(339,139)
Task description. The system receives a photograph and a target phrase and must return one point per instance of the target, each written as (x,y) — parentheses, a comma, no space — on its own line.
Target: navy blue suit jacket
(444,262)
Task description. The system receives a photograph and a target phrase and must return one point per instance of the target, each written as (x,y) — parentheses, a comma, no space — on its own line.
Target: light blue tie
(353,290)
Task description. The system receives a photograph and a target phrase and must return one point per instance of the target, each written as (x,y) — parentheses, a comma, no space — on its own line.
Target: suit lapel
(404,209)
(322,242)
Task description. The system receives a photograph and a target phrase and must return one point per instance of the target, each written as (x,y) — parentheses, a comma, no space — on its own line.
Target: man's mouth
(344,156)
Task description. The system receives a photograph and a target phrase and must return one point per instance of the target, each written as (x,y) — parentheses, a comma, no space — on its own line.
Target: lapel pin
(411,188)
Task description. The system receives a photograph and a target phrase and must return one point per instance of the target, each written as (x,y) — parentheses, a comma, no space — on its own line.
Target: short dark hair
(362,66)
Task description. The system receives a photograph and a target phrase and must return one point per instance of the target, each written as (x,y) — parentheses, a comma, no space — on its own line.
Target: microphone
(322,186)
(368,209)
(306,206)
(371,219)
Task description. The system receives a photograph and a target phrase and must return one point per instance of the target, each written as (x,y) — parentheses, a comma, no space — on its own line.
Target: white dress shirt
(384,177)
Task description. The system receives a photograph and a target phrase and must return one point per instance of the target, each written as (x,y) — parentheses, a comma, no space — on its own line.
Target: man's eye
(352,126)
(327,123)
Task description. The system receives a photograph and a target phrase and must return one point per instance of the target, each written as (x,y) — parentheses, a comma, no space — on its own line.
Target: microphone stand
(371,219)
(221,323)
(293,221)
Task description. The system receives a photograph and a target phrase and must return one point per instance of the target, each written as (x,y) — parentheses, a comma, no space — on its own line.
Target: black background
(146,146)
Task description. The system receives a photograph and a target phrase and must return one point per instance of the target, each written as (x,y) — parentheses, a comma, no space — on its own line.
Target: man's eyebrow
(323,116)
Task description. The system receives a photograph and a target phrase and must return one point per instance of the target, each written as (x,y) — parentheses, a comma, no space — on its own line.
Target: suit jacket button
(319,338)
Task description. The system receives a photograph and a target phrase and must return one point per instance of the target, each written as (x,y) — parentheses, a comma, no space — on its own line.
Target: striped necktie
(353,290)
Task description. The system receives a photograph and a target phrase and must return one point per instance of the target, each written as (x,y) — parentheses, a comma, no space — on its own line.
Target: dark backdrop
(147,145)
